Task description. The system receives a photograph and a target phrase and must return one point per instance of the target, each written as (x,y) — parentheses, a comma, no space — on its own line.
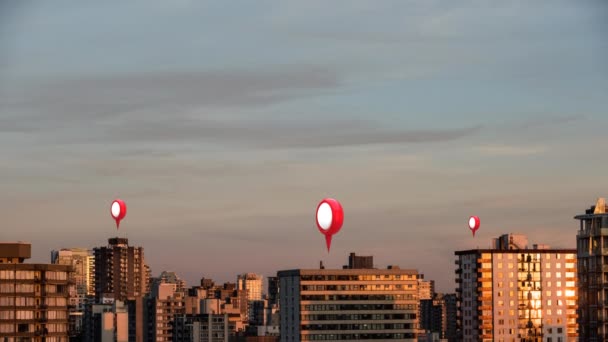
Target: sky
(223,124)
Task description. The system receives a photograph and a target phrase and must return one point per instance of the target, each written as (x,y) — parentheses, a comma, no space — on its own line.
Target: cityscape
(514,291)
(199,170)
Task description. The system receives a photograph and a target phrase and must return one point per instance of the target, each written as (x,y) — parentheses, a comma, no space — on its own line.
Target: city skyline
(222,127)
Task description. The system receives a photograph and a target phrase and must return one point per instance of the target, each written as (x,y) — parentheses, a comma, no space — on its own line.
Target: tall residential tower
(592,253)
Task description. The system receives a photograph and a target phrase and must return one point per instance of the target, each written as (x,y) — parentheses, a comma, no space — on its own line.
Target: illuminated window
(559,293)
(548,266)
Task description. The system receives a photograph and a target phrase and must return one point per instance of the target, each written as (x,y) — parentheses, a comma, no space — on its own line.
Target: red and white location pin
(330,217)
(474,224)
(118,210)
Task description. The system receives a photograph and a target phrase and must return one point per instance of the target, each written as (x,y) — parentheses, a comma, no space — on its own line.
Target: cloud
(510,150)
(103,99)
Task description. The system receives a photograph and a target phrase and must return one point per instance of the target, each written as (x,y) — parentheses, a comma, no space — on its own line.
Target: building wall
(592,255)
(348,304)
(34,301)
(517,294)
(120,271)
(289,304)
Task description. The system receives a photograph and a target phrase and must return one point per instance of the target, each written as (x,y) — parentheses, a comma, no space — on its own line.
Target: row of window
(30,301)
(360,326)
(547,256)
(351,277)
(345,307)
(29,288)
(384,287)
(31,275)
(360,297)
(383,336)
(357,317)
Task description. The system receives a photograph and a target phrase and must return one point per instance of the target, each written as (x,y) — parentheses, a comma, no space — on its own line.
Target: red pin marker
(474,224)
(118,210)
(330,217)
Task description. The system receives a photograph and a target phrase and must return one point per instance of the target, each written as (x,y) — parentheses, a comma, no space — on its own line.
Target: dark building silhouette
(120,271)
(360,262)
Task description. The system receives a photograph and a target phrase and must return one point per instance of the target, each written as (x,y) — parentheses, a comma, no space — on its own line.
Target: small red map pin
(118,210)
(330,217)
(474,224)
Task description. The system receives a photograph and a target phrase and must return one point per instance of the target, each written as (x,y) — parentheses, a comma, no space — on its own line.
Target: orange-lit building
(34,298)
(514,293)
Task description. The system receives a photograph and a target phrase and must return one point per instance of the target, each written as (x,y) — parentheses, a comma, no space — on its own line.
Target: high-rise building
(592,253)
(273,291)
(120,271)
(360,262)
(203,328)
(252,283)
(524,294)
(83,265)
(434,318)
(107,322)
(166,303)
(348,304)
(34,298)
(426,289)
(451,306)
(83,262)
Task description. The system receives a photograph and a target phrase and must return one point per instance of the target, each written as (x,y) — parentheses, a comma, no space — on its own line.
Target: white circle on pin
(116,209)
(324,216)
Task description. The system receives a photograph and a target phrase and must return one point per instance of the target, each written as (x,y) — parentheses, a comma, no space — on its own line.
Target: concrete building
(452,333)
(120,271)
(592,253)
(273,291)
(426,289)
(515,293)
(360,262)
(348,304)
(107,322)
(83,265)
(434,316)
(166,304)
(203,328)
(251,283)
(34,298)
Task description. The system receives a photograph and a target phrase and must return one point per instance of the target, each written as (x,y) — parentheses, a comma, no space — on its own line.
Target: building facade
(348,304)
(203,328)
(34,298)
(592,255)
(120,271)
(521,294)
(83,265)
(252,284)
(106,322)
(166,303)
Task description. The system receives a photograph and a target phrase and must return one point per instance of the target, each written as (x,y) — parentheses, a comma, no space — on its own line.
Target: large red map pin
(118,210)
(474,224)
(330,217)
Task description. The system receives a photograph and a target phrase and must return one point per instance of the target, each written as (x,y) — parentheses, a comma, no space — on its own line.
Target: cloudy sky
(222,125)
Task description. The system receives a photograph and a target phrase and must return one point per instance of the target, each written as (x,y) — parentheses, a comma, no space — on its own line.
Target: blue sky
(223,124)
